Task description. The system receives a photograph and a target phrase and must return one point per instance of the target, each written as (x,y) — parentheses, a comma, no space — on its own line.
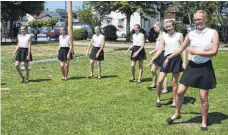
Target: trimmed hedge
(80,34)
(181,28)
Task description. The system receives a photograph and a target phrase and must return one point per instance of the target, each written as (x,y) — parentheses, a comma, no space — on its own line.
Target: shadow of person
(109,76)
(77,78)
(40,80)
(190,100)
(146,79)
(213,118)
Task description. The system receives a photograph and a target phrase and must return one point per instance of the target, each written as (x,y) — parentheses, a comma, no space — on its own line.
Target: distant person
(36,31)
(23,53)
(64,51)
(97,53)
(138,53)
(159,61)
(202,44)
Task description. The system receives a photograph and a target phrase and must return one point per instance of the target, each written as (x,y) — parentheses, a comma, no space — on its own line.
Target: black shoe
(158,104)
(132,80)
(22,79)
(153,86)
(89,77)
(203,128)
(170,120)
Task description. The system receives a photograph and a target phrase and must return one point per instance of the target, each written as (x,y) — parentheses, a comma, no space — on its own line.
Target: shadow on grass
(3,83)
(187,100)
(40,80)
(109,76)
(77,77)
(213,118)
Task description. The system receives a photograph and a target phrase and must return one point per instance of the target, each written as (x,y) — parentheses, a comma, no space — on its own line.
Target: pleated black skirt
(62,56)
(199,75)
(160,60)
(94,52)
(174,65)
(141,55)
(22,55)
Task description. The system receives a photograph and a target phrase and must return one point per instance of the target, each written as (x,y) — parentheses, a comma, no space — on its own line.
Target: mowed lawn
(110,106)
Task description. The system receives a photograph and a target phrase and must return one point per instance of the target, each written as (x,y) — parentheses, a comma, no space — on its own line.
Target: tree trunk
(189,18)
(224,32)
(128,37)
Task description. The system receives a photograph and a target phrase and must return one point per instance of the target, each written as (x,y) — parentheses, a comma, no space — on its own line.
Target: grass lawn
(110,106)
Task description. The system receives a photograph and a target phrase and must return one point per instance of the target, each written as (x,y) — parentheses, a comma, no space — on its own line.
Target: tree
(87,16)
(13,10)
(217,12)
(36,23)
(50,22)
(125,7)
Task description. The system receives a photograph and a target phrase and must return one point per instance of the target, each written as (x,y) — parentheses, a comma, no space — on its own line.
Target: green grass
(111,106)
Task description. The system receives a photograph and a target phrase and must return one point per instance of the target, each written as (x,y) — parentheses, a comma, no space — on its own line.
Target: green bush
(80,34)
(110,32)
(181,28)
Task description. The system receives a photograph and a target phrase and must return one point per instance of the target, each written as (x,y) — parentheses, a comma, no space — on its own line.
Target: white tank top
(24,40)
(171,42)
(137,39)
(97,40)
(158,42)
(64,41)
(202,41)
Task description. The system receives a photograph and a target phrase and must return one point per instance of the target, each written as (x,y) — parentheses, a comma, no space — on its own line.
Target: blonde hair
(203,12)
(158,24)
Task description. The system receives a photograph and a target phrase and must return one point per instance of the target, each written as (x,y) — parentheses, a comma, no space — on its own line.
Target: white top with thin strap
(97,40)
(172,42)
(64,41)
(202,41)
(24,40)
(137,39)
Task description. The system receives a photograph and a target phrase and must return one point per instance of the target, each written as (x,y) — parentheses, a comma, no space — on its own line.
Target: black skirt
(199,75)
(174,65)
(22,55)
(62,56)
(160,60)
(94,52)
(141,55)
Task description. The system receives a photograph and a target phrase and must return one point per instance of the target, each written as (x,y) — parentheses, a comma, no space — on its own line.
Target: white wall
(135,19)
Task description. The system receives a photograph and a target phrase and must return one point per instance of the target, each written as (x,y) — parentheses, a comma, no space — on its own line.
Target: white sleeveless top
(97,40)
(158,42)
(171,42)
(137,39)
(24,40)
(202,41)
(64,41)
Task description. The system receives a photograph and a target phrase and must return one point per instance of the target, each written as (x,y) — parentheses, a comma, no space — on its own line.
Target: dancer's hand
(192,51)
(165,63)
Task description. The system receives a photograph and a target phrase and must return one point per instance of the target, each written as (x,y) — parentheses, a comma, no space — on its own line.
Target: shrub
(80,34)
(110,32)
(153,35)
(181,28)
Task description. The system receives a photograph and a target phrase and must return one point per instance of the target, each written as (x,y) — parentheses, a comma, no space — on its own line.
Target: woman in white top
(170,41)
(23,53)
(138,52)
(202,45)
(64,51)
(97,53)
(159,61)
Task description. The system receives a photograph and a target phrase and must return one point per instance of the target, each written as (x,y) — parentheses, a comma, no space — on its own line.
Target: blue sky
(52,5)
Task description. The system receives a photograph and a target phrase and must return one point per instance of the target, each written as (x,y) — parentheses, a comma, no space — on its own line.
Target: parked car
(53,34)
(85,26)
(121,33)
